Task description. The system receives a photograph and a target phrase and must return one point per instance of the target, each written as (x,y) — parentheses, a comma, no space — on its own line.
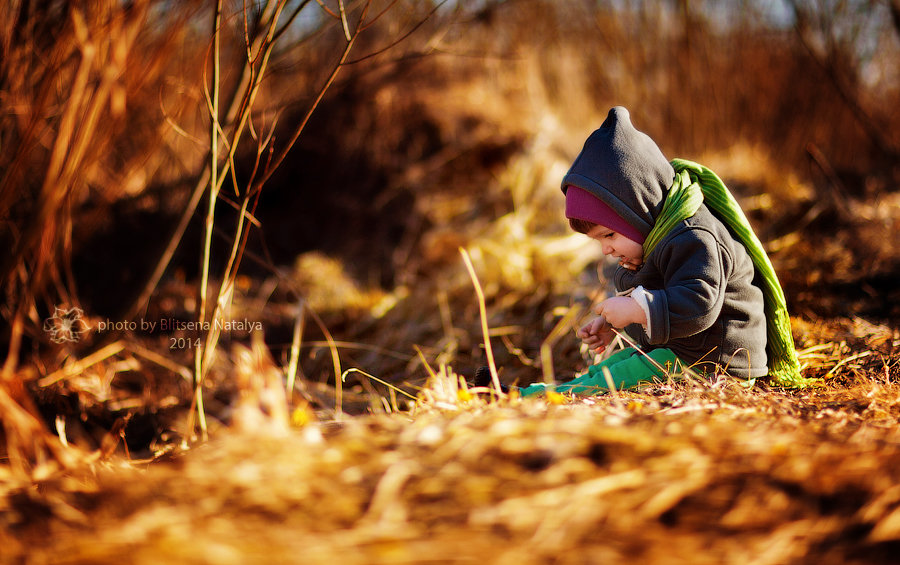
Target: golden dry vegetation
(364,151)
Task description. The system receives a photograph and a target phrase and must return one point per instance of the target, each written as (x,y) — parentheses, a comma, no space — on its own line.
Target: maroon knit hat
(582,205)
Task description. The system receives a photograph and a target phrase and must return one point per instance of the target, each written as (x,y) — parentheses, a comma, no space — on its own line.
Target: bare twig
(378,16)
(328,10)
(484,323)
(611,385)
(276,162)
(400,39)
(295,347)
(80,365)
(336,361)
(238,106)
(376,379)
(560,329)
(210,216)
(290,20)
(344,23)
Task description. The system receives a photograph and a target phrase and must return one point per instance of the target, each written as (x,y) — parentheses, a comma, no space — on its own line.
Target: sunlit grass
(349,431)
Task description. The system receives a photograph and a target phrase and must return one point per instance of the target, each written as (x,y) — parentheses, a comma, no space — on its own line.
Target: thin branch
(293,139)
(210,216)
(237,105)
(399,40)
(327,10)
(344,23)
(247,41)
(237,207)
(169,120)
(484,323)
(336,361)
(372,22)
(296,339)
(290,20)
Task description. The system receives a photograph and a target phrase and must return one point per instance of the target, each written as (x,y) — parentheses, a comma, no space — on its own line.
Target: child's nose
(607,249)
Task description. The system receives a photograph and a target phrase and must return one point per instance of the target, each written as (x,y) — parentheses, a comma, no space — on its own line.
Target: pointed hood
(625,169)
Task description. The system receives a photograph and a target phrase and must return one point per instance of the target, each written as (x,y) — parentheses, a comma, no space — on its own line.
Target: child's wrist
(640,297)
(637,313)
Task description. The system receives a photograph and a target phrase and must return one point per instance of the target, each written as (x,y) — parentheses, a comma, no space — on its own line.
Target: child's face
(629,252)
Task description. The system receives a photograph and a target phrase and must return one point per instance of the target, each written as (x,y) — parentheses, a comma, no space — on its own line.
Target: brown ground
(422,156)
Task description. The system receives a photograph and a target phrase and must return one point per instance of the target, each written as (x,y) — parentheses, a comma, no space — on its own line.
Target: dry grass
(317,453)
(690,473)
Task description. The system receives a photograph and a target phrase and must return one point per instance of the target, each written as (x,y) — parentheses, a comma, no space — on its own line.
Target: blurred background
(363,172)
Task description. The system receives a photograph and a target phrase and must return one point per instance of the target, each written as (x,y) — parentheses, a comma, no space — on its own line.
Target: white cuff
(639,294)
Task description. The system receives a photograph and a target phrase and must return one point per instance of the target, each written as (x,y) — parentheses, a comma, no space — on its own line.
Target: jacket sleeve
(694,269)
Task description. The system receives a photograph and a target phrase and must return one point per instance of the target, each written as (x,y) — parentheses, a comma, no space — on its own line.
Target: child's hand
(620,311)
(597,334)
(630,264)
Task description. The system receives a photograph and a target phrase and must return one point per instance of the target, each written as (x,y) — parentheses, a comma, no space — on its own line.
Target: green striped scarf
(695,184)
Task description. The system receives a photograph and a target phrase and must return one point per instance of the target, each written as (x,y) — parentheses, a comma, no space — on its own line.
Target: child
(695,288)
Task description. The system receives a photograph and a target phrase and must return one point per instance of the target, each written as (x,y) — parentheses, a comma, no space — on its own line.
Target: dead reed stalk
(257,62)
(485,330)
(64,71)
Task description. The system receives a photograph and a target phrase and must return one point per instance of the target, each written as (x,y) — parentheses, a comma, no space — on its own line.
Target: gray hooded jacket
(703,302)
